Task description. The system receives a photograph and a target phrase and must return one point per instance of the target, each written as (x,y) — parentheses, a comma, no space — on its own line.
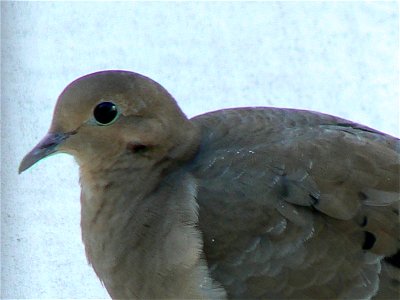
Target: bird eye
(105,113)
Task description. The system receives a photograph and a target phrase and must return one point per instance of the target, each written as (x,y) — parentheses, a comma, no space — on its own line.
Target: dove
(243,203)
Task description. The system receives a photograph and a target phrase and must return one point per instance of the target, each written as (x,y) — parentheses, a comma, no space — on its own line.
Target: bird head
(107,115)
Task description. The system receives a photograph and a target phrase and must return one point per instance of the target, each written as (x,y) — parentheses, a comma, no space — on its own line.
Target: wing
(297,204)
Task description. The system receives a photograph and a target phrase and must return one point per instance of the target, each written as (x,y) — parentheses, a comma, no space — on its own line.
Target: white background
(338,58)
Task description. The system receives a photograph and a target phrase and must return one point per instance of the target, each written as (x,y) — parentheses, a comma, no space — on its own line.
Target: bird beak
(47,146)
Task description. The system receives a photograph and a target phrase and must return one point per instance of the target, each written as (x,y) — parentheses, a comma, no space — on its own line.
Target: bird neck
(140,236)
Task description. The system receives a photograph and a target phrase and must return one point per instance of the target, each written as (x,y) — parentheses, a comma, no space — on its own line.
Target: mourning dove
(254,203)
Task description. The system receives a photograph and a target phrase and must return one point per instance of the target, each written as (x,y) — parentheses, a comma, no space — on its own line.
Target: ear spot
(137,148)
(105,113)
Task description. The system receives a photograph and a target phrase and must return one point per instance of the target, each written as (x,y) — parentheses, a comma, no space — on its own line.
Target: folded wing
(297,204)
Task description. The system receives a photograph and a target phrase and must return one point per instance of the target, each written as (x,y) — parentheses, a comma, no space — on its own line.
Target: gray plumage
(260,203)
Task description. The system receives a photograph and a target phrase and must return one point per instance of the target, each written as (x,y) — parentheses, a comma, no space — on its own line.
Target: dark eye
(105,113)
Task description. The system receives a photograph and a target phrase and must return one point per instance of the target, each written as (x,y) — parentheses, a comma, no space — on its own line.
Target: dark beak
(47,146)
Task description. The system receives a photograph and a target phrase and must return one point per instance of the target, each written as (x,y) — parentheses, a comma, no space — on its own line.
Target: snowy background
(338,58)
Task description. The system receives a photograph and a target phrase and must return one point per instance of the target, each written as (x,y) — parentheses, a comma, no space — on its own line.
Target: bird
(239,203)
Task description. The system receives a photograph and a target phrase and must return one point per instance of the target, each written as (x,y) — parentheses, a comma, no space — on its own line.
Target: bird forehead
(89,89)
(76,103)
(131,92)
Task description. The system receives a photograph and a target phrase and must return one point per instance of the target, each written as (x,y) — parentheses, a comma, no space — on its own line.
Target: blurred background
(340,58)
